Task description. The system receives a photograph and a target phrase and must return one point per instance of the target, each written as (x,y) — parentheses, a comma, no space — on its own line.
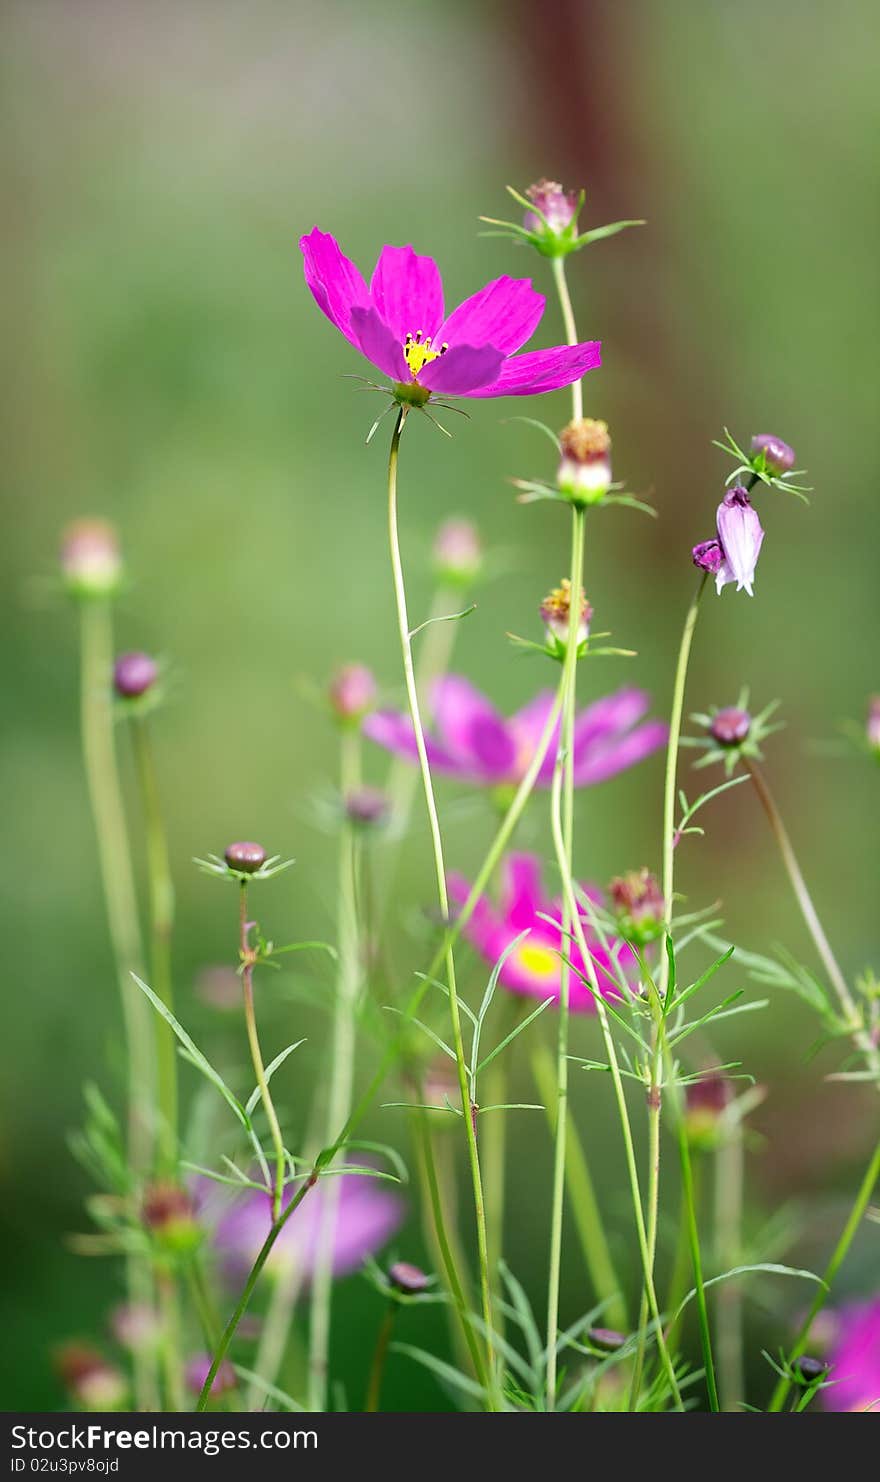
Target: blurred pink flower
(400,325)
(477,744)
(535,967)
(854,1359)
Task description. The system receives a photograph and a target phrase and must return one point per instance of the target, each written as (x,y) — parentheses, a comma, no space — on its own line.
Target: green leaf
(524,1024)
(599,233)
(487,1000)
(270,1071)
(444,1372)
(194,1054)
(769,1267)
(274,1393)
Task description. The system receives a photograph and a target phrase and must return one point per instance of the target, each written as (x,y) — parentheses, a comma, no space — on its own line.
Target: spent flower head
(731,732)
(555,613)
(706,1101)
(584,474)
(639,907)
(170,1215)
(550,220)
(91,561)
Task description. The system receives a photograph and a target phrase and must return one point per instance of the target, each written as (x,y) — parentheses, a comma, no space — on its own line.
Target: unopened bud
(245,857)
(556,614)
(352,692)
(778,456)
(639,906)
(91,563)
(557,206)
(134,674)
(407,1278)
(458,553)
(585,466)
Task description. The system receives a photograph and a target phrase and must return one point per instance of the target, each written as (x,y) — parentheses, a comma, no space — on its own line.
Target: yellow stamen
(418,352)
(540,962)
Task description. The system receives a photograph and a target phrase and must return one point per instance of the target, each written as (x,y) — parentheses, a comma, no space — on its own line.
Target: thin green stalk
(341,1073)
(577,390)
(582,1196)
(678,1284)
(170,1310)
(380,1354)
(841,1250)
(247,983)
(669,790)
(852,1017)
(562,795)
(655,1105)
(687,1184)
(495,1093)
(275,1332)
(469,1117)
(161,889)
(729,1178)
(105,796)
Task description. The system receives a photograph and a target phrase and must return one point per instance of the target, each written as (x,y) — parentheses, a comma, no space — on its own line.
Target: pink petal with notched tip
(375,340)
(335,283)
(505,314)
(544,370)
(407,292)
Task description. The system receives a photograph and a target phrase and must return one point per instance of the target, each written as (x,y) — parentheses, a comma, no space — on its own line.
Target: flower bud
(872,729)
(607,1339)
(778,457)
(92,1382)
(708,556)
(199,1367)
(91,563)
(585,467)
(458,553)
(245,857)
(407,1278)
(556,614)
(809,1369)
(730,727)
(705,1104)
(639,906)
(366,807)
(136,1326)
(134,674)
(170,1215)
(352,692)
(557,206)
(741,536)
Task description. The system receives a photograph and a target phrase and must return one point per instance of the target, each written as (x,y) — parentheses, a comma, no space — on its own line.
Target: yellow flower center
(540,962)
(418,352)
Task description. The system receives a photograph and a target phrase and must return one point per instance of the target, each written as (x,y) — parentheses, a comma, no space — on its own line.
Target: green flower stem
(841,1250)
(170,1309)
(469,1119)
(850,1011)
(690,1203)
(655,1106)
(380,1354)
(161,889)
(729,1179)
(681,1267)
(275,1332)
(623,1113)
(494,1138)
(559,278)
(243,1302)
(247,982)
(582,1196)
(669,795)
(562,795)
(105,796)
(341,1071)
(669,790)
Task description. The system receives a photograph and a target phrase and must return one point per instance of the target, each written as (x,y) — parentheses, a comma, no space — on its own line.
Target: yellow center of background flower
(539,962)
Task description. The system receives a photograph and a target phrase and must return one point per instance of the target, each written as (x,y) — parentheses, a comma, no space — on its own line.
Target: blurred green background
(166,368)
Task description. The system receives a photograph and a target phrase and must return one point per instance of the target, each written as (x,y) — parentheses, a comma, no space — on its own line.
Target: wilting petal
(472,729)
(395,732)
(544,370)
(375,340)
(521,890)
(527,726)
(462,370)
(607,758)
(741,537)
(407,291)
(505,314)
(336,284)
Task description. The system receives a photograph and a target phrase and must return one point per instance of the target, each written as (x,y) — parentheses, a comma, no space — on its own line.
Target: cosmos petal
(544,370)
(407,292)
(505,314)
(375,340)
(335,283)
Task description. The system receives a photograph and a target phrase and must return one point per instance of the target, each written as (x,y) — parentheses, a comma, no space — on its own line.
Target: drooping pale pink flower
(740,536)
(854,1359)
(400,324)
(475,743)
(535,966)
(367,1216)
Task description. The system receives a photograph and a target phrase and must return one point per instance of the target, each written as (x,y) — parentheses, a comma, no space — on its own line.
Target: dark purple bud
(778,456)
(134,674)
(352,692)
(407,1278)
(809,1369)
(608,1339)
(709,556)
(366,806)
(245,857)
(199,1367)
(730,727)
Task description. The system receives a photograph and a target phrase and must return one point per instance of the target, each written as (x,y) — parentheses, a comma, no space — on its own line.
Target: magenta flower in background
(740,536)
(368,1215)
(854,1359)
(400,324)
(478,745)
(535,967)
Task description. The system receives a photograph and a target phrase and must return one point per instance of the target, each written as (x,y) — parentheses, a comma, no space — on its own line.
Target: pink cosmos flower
(477,744)
(368,1215)
(400,324)
(855,1359)
(534,968)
